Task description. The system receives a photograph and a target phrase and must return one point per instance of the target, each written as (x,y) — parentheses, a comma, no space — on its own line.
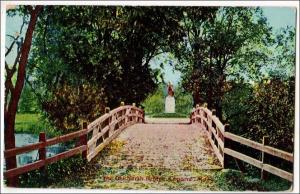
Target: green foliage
(155,103)
(169,115)
(266,108)
(275,119)
(70,106)
(108,48)
(236,104)
(284,61)
(55,172)
(34,124)
(232,44)
(233,180)
(28,101)
(183,100)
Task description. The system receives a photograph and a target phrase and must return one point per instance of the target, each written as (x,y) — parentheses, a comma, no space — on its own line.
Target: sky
(277,17)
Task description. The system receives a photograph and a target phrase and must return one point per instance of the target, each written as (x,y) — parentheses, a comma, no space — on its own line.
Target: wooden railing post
(226,158)
(213,113)
(84,140)
(122,103)
(107,109)
(264,174)
(110,131)
(196,120)
(42,155)
(134,118)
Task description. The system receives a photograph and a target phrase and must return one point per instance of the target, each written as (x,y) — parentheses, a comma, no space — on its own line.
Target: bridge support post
(226,158)
(84,140)
(42,156)
(264,174)
(196,120)
(213,113)
(134,118)
(143,120)
(107,109)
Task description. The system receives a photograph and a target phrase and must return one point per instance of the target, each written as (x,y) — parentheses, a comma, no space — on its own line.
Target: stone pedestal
(170,104)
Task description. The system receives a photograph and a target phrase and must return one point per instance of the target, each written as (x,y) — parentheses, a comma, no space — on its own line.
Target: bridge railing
(89,141)
(214,128)
(81,147)
(220,138)
(106,128)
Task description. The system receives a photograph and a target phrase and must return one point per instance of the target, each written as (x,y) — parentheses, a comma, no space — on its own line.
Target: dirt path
(155,157)
(171,146)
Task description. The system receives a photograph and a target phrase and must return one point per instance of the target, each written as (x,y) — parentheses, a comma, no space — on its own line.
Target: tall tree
(107,49)
(233,45)
(13,91)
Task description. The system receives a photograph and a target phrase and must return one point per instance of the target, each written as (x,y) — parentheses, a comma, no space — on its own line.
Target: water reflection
(29,157)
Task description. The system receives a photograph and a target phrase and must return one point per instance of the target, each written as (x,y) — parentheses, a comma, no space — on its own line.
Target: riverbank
(33,123)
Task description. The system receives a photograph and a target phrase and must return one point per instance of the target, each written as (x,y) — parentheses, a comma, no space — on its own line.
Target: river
(23,139)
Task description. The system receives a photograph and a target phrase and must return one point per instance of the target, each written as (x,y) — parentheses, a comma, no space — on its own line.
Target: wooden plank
(20,150)
(243,157)
(279,153)
(66,154)
(105,143)
(35,146)
(279,172)
(28,167)
(267,149)
(214,118)
(97,121)
(218,124)
(119,109)
(134,115)
(95,138)
(219,140)
(41,163)
(66,137)
(216,151)
(213,130)
(104,130)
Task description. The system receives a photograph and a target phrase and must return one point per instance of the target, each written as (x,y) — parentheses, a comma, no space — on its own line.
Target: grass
(233,180)
(168,115)
(33,124)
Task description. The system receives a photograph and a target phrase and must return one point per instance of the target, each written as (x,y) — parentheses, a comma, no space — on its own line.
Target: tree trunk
(10,113)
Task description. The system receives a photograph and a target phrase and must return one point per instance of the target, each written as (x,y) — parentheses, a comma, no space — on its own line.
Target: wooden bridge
(163,144)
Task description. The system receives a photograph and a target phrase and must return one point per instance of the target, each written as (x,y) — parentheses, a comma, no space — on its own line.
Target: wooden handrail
(258,146)
(39,145)
(120,117)
(130,114)
(208,119)
(274,170)
(36,165)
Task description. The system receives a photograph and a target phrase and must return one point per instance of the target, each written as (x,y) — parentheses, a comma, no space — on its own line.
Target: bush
(54,173)
(265,109)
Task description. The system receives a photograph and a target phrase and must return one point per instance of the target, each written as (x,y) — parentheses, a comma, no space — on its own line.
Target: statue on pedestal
(170,100)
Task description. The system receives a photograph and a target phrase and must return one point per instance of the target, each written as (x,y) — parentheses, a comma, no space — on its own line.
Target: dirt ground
(153,157)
